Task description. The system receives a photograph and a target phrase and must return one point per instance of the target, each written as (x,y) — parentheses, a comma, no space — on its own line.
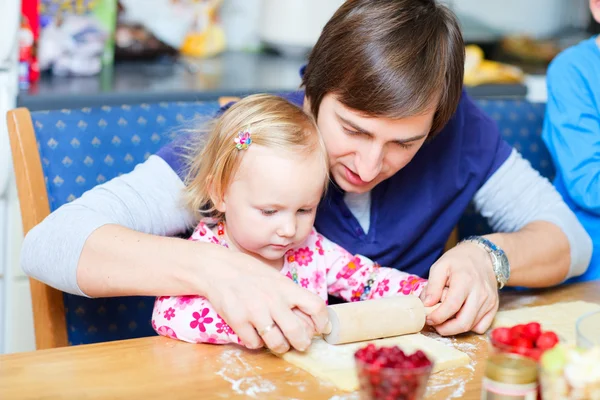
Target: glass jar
(510,376)
(588,330)
(378,383)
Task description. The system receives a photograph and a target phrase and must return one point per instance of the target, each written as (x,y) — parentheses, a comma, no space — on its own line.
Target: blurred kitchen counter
(229,74)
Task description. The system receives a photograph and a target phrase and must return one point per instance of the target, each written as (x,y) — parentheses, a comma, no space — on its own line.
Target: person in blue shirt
(572,134)
(408,151)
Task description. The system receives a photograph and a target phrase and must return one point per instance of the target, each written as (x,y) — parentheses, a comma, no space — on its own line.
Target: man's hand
(256,300)
(466,274)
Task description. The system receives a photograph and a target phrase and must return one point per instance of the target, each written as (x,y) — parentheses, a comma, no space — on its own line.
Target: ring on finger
(262,332)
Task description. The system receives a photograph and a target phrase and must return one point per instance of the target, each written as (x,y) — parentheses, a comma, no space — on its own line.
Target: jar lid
(511,368)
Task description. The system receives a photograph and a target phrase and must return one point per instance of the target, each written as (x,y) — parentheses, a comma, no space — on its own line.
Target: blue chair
(57,156)
(520,123)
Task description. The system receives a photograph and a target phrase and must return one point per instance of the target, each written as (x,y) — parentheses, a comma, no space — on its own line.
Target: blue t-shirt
(572,134)
(414,211)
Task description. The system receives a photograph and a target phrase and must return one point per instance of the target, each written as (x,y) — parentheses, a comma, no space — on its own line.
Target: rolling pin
(374,319)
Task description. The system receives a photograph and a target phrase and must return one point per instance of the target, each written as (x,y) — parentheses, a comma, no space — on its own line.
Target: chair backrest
(520,123)
(57,156)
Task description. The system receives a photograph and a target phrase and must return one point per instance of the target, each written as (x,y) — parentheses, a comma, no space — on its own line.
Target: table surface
(158,367)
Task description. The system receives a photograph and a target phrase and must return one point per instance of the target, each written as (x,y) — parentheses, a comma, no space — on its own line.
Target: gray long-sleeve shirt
(148,200)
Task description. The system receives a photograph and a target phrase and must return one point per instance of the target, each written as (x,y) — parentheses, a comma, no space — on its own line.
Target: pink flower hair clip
(243,140)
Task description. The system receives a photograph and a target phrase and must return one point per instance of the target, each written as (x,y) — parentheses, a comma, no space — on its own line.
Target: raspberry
(522,342)
(524,351)
(388,372)
(391,357)
(516,331)
(547,340)
(501,335)
(536,354)
(532,331)
(524,339)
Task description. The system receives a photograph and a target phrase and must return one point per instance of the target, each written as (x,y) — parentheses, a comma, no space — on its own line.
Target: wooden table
(160,368)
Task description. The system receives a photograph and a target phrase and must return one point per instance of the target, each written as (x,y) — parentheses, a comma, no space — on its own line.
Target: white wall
(17,324)
(16,318)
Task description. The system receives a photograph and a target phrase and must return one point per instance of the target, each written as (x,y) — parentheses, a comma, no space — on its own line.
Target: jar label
(493,390)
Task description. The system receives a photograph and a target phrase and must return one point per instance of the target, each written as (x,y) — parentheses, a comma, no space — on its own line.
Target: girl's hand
(471,300)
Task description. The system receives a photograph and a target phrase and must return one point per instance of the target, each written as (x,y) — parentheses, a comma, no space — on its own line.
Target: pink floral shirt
(321,266)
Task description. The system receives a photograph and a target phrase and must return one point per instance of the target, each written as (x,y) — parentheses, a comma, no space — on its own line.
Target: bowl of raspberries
(525,339)
(390,373)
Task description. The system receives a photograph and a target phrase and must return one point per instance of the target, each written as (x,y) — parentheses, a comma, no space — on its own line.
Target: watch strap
(498,257)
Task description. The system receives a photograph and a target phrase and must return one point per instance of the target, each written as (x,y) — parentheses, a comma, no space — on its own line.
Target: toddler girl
(255,185)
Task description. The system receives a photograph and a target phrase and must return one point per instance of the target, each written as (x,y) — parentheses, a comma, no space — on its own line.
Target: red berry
(523,343)
(520,350)
(391,357)
(547,340)
(532,331)
(501,335)
(516,331)
(403,382)
(536,354)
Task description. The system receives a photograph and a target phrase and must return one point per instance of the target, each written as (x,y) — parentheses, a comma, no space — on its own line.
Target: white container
(536,18)
(241,20)
(293,26)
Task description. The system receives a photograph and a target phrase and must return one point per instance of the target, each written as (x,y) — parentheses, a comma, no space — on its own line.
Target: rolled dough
(335,363)
(560,317)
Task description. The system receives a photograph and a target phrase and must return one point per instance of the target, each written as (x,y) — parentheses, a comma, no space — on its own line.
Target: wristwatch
(499,260)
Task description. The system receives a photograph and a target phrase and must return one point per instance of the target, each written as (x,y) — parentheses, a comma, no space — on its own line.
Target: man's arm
(111,242)
(146,200)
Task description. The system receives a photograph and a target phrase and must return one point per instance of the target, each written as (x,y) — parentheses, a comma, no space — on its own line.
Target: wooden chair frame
(48,306)
(48,303)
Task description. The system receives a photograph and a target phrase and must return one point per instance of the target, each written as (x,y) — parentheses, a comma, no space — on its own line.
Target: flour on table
(440,382)
(350,396)
(240,374)
(515,302)
(465,347)
(335,363)
(453,382)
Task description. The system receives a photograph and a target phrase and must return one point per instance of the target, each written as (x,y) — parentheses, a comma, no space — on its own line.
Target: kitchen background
(76,53)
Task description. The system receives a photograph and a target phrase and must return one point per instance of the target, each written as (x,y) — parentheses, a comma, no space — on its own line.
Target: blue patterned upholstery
(520,123)
(82,148)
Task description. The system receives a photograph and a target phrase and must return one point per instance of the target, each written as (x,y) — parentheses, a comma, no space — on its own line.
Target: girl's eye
(305,210)
(268,212)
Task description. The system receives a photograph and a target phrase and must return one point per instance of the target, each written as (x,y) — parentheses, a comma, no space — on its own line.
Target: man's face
(364,151)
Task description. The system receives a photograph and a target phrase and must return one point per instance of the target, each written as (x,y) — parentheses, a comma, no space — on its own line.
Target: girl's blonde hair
(214,159)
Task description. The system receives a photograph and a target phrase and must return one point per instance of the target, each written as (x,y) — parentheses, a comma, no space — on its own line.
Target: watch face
(502,267)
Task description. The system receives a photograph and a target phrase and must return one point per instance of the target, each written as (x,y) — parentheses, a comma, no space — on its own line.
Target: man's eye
(404,145)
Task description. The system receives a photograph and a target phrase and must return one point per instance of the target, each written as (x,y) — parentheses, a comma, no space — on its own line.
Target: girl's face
(270,205)
(365,151)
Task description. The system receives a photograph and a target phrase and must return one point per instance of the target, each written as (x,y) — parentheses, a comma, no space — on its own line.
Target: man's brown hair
(389,58)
